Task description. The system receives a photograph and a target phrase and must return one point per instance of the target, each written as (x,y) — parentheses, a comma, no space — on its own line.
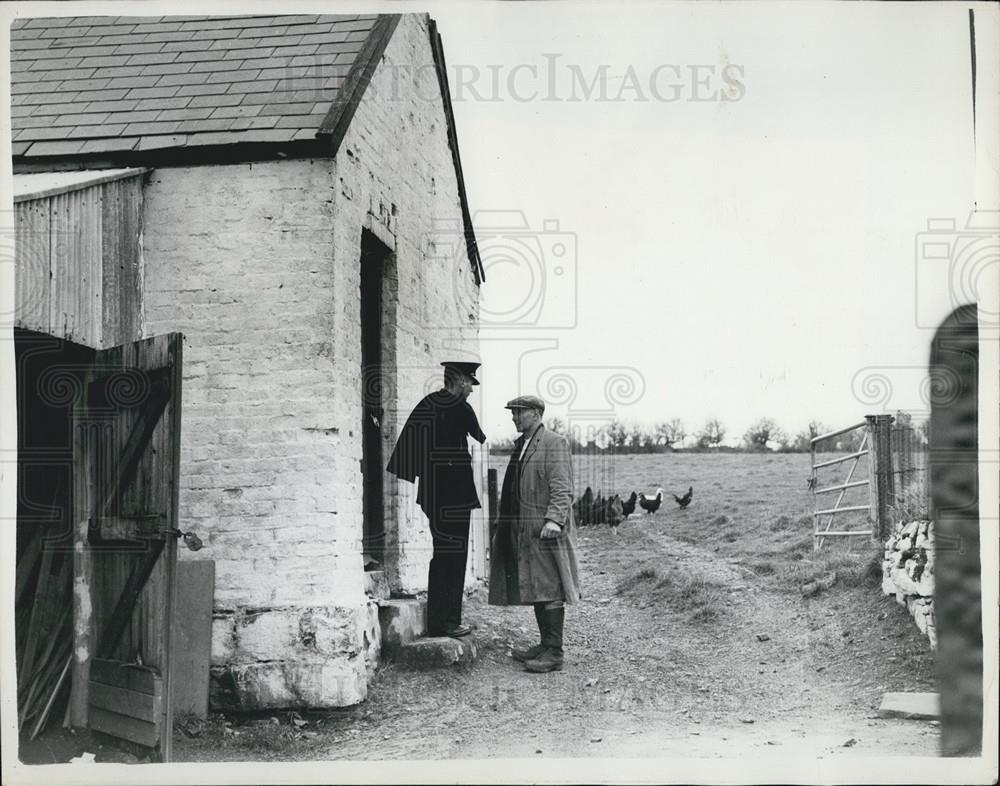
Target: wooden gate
(126,461)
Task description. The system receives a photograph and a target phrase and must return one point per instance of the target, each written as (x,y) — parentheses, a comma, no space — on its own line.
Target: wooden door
(126,454)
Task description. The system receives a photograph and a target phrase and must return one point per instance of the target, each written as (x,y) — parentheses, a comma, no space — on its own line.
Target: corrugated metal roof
(43,184)
(84,85)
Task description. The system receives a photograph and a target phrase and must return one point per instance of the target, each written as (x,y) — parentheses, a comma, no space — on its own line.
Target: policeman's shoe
(529,653)
(551,659)
(457,631)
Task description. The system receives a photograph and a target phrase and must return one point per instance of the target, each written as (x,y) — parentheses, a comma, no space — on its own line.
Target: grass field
(755,507)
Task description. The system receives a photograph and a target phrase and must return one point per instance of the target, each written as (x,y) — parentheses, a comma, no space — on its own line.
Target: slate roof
(95,85)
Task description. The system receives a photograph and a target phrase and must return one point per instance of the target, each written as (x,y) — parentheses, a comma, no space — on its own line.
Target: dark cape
(433,447)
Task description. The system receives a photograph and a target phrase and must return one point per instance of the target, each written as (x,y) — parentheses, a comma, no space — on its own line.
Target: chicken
(628,505)
(651,504)
(614,512)
(599,512)
(686,499)
(582,508)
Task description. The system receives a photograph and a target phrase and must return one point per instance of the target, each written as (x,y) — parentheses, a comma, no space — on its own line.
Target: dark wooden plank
(85,589)
(125,606)
(142,706)
(191,636)
(26,564)
(35,623)
(138,440)
(174,347)
(126,530)
(126,728)
(140,679)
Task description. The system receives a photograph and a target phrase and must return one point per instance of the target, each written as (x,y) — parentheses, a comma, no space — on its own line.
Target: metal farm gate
(895,476)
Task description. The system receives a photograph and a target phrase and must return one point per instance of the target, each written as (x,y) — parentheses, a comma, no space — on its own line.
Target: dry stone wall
(908,572)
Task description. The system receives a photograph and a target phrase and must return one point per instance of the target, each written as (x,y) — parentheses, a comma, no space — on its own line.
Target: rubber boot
(523,655)
(551,658)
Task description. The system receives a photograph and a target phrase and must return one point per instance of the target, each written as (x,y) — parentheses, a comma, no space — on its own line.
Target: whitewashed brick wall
(258,266)
(394,173)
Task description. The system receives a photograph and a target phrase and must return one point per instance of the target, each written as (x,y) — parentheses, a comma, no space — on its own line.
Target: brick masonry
(258,266)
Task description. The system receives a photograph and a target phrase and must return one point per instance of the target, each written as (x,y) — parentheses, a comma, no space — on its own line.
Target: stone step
(376,585)
(910,705)
(402,621)
(435,652)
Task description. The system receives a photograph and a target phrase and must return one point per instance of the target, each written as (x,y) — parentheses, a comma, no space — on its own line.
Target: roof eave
(195,155)
(440,66)
(338,119)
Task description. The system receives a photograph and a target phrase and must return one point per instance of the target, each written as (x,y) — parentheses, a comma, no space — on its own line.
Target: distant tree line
(672,435)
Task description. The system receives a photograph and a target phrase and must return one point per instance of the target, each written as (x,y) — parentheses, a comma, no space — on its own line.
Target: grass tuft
(701,599)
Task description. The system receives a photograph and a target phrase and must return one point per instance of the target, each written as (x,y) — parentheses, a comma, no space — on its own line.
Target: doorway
(377,343)
(49,379)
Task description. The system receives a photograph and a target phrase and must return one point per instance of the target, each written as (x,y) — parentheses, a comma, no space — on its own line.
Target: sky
(717,210)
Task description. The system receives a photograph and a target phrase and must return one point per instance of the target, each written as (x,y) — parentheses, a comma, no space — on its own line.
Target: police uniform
(433,450)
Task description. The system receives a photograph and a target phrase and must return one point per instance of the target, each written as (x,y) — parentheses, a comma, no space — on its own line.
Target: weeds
(852,569)
(912,504)
(700,598)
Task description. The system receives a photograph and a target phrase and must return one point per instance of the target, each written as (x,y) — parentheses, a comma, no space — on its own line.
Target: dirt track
(641,679)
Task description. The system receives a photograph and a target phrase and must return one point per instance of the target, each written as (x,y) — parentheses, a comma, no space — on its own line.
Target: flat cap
(469,369)
(526,402)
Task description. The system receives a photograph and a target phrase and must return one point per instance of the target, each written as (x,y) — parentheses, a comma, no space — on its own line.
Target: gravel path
(643,679)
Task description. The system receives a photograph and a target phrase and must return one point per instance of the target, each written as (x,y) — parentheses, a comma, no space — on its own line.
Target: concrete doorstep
(438,652)
(404,640)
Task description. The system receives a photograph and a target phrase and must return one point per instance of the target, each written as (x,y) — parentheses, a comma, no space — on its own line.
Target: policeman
(433,446)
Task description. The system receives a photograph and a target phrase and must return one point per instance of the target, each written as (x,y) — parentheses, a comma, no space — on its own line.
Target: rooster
(686,499)
(628,505)
(651,504)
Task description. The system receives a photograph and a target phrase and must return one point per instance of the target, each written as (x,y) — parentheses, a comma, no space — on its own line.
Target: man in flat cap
(433,446)
(533,555)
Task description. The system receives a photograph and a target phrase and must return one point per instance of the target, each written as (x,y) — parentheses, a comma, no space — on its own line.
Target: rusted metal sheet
(121,217)
(75,260)
(77,269)
(32,288)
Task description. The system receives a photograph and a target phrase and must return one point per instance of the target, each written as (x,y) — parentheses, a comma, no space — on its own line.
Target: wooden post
(813,483)
(83,568)
(880,473)
(494,509)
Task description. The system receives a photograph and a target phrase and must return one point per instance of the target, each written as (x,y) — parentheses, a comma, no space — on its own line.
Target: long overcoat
(524,568)
(433,448)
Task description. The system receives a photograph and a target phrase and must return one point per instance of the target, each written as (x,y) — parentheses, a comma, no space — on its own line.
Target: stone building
(298,214)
